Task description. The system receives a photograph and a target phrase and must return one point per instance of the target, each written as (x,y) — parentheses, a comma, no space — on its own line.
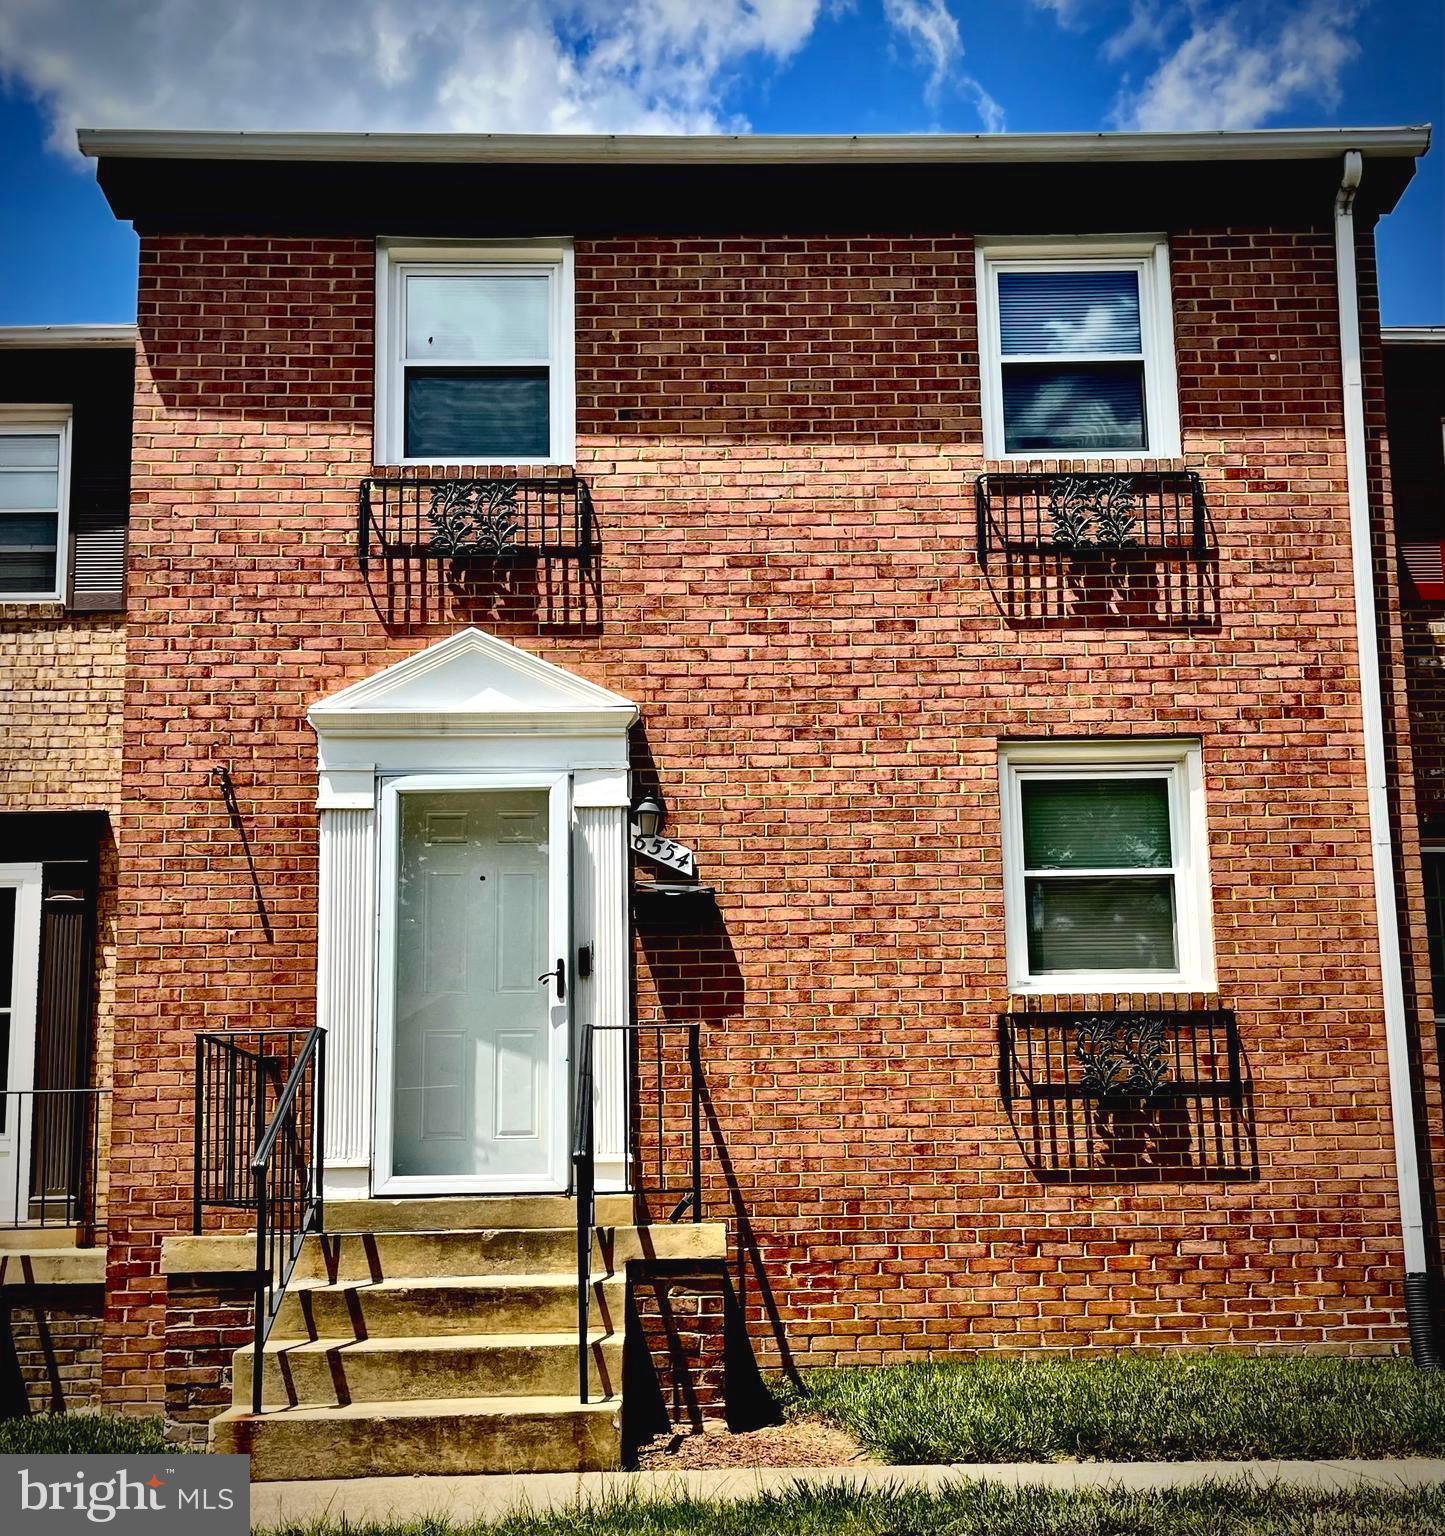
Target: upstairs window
(1105,867)
(1077,351)
(34,498)
(475,355)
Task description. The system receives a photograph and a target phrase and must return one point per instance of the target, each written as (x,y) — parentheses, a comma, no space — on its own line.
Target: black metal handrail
(584,1157)
(61,1158)
(1149,514)
(258,1145)
(460,518)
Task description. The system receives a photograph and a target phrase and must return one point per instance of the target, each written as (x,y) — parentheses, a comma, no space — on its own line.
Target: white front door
(473,1016)
(19,978)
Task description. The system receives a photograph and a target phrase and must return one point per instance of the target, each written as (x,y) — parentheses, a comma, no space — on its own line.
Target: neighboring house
(1415,408)
(963,545)
(65,429)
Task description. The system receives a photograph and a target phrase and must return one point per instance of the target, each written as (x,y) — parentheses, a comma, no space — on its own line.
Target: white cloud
(929,28)
(1147,27)
(544,66)
(1242,67)
(1068,13)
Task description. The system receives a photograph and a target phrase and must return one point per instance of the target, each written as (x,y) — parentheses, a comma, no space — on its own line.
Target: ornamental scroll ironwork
(1094,512)
(474,518)
(1122,1058)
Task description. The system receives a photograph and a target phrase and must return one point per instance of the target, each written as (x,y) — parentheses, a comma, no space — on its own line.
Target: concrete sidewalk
(489,1498)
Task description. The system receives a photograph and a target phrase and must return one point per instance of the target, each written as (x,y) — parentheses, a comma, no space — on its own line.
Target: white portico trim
(468,706)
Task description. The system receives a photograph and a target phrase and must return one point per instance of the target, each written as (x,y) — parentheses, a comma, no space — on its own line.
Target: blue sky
(764,66)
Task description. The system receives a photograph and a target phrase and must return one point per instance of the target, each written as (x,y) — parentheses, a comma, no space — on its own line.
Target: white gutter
(1413,335)
(755,149)
(68,336)
(1397,1035)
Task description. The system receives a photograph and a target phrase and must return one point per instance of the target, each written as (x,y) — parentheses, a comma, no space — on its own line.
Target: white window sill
(1154,459)
(1111,984)
(479,464)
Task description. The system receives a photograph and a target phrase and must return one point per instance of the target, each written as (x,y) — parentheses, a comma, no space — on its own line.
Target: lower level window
(1105,866)
(34,471)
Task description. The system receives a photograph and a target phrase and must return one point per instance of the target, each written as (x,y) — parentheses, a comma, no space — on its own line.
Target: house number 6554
(662,850)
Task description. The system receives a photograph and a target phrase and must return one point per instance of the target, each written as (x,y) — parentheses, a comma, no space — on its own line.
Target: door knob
(559,976)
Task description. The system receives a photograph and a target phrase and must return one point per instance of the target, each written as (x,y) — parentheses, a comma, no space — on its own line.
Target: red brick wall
(208,1318)
(824,674)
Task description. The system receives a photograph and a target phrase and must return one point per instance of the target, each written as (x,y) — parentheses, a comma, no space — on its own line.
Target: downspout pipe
(1418,1308)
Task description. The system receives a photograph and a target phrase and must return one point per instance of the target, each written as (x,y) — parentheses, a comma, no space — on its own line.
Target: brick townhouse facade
(956,546)
(1415,398)
(65,413)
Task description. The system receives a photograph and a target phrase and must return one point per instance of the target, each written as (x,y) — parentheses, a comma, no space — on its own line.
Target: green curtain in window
(1114,923)
(1096,823)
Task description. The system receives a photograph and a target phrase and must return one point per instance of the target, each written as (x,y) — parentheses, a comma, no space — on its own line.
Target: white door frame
(559,945)
(27,881)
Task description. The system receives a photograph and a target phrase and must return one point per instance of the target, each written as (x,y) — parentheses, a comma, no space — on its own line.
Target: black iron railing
(456,519)
(1154,515)
(584,1191)
(1120,1057)
(260,1111)
(54,1136)
(647,1176)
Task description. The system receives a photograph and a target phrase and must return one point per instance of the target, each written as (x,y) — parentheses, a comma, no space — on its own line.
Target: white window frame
(396,260)
(1146,255)
(31,421)
(1181,764)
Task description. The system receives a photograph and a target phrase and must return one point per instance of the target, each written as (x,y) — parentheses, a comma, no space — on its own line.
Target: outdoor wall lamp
(648,816)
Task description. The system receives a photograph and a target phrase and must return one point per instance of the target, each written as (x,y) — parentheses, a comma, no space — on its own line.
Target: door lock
(559,976)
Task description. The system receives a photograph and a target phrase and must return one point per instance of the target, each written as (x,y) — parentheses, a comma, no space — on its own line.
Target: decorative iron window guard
(456,519)
(1150,515)
(1121,1059)
(1128,1095)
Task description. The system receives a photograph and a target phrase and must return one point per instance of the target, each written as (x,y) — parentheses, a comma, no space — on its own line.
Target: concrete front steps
(439,1336)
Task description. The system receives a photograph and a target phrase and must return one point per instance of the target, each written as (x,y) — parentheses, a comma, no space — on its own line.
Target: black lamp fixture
(648,815)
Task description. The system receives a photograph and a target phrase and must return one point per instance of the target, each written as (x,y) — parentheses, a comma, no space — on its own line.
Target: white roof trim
(473,684)
(1413,335)
(755,149)
(69,336)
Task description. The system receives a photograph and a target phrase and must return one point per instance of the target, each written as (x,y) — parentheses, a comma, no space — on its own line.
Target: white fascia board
(436,723)
(755,149)
(121,337)
(1413,335)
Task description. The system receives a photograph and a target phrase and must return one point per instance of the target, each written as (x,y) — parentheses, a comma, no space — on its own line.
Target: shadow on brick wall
(49,1349)
(1051,590)
(558,596)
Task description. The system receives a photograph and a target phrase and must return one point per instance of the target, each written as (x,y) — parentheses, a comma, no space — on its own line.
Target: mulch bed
(801,1443)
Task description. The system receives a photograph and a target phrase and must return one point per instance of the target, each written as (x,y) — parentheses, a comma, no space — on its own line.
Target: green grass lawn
(975,1509)
(1132,1408)
(101,1434)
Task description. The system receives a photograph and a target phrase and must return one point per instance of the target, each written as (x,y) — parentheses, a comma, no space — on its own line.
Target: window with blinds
(1098,874)
(1103,867)
(1073,355)
(34,482)
(478,369)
